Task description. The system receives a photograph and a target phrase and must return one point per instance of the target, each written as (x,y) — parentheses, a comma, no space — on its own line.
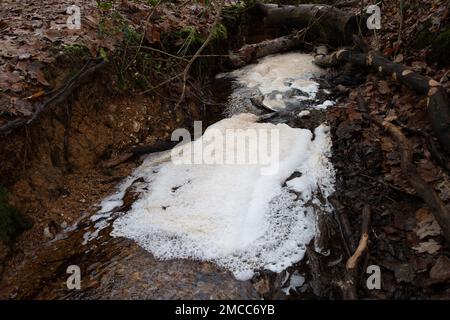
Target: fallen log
(251,52)
(423,189)
(437,100)
(324,22)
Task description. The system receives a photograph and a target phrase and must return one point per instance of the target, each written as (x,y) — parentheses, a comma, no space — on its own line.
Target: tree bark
(252,52)
(323,22)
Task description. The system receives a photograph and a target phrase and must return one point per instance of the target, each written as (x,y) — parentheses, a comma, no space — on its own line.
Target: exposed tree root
(140,151)
(424,190)
(437,99)
(59,95)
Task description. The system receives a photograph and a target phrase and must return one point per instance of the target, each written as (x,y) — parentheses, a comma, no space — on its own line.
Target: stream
(210,218)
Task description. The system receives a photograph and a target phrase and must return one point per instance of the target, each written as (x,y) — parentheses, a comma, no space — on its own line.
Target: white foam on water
(276,75)
(233,214)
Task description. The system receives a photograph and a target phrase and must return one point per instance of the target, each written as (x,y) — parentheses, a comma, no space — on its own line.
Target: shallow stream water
(197,223)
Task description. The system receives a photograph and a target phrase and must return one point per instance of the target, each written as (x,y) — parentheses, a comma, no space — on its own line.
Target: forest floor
(55,173)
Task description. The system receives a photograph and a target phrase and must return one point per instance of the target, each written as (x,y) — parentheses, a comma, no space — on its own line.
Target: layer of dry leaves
(33,34)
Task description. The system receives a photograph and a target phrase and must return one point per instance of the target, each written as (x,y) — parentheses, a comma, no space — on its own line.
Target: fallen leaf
(383,87)
(152,34)
(428,171)
(419,66)
(440,272)
(426,224)
(430,246)
(35,72)
(399,58)
(21,106)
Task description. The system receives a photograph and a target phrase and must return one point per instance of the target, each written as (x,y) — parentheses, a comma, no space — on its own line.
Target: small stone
(47,233)
(24,56)
(441,270)
(64,225)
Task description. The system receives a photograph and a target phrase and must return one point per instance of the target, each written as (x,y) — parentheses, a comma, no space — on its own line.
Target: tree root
(58,95)
(422,188)
(437,99)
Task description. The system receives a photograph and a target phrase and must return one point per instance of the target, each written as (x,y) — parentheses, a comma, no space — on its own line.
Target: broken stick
(349,284)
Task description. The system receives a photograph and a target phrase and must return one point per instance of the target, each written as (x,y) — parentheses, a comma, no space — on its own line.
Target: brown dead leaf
(153,35)
(399,58)
(354,116)
(19,106)
(383,87)
(419,66)
(426,224)
(440,272)
(428,171)
(430,246)
(388,51)
(35,72)
(391,116)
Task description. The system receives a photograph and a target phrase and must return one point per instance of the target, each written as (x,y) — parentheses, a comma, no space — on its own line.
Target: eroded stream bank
(180,214)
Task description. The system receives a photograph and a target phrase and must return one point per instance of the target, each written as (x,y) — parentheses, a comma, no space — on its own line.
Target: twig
(161,84)
(142,38)
(348,285)
(199,51)
(352,263)
(160,51)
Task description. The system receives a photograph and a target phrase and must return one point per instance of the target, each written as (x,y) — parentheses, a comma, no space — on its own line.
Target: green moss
(440,49)
(12,222)
(191,35)
(75,50)
(220,32)
(105,4)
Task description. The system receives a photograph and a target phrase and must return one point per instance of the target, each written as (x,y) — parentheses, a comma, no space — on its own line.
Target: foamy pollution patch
(281,80)
(238,215)
(232,215)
